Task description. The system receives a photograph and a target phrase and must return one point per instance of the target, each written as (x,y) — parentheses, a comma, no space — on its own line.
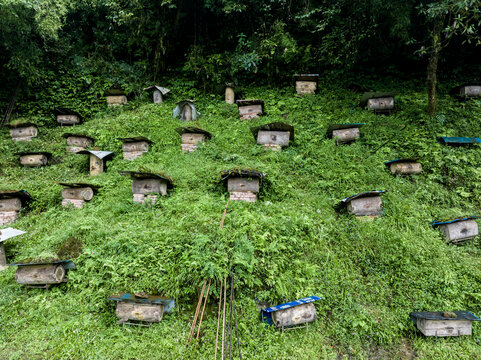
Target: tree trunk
(433,67)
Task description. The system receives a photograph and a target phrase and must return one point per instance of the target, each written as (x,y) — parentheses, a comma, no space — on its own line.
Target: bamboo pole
(218,321)
(223,318)
(203,309)
(192,327)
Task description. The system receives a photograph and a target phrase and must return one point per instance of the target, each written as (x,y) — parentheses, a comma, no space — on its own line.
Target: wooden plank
(187,110)
(367,206)
(280,138)
(139,312)
(40,274)
(296,315)
(243,184)
(24,133)
(344,136)
(3,257)
(470,90)
(158,98)
(79,141)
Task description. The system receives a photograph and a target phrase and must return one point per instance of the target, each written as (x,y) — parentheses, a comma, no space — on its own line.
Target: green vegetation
(290,244)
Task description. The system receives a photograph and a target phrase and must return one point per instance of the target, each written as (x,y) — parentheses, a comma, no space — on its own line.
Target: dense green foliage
(290,244)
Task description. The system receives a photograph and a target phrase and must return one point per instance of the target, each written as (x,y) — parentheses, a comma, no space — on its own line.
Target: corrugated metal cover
(8,233)
(163,90)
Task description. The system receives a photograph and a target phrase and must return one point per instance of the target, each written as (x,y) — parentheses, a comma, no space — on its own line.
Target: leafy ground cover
(290,244)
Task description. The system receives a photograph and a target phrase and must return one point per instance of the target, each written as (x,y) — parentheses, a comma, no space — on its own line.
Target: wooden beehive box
(306,83)
(364,204)
(78,142)
(11,202)
(250,109)
(273,136)
(43,274)
(458,230)
(34,159)
(458,141)
(467,90)
(230,93)
(76,194)
(6,234)
(404,167)
(135,309)
(116,97)
(379,102)
(98,160)
(192,136)
(186,111)
(23,132)
(158,93)
(242,184)
(441,324)
(67,117)
(292,314)
(134,147)
(147,187)
(344,133)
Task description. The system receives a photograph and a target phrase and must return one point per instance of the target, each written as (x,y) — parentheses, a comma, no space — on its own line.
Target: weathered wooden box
(78,142)
(134,309)
(364,204)
(191,137)
(23,132)
(250,109)
(186,111)
(34,159)
(291,315)
(11,202)
(242,184)
(97,160)
(458,230)
(76,194)
(273,136)
(146,187)
(134,147)
(381,103)
(67,117)
(442,324)
(6,234)
(43,274)
(404,167)
(116,97)
(306,83)
(344,133)
(158,93)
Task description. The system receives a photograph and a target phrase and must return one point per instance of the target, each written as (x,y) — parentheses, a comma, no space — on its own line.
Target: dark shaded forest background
(87,46)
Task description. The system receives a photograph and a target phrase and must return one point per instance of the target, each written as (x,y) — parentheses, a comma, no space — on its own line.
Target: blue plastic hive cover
(388,163)
(458,140)
(437,223)
(266,314)
(67,264)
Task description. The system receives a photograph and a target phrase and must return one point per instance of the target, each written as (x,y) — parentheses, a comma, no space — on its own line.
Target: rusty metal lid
(274,126)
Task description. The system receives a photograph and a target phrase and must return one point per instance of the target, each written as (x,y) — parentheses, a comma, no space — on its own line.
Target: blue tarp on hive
(266,314)
(458,140)
(437,223)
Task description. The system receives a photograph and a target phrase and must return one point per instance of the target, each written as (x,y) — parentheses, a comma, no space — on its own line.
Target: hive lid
(226,174)
(193,130)
(67,135)
(372,193)
(266,314)
(148,299)
(443,222)
(438,315)
(66,111)
(23,195)
(274,126)
(411,160)
(67,264)
(163,90)
(306,77)
(100,154)
(23,153)
(333,127)
(375,95)
(8,233)
(250,102)
(22,125)
(145,175)
(114,92)
(135,139)
(79,185)
(453,140)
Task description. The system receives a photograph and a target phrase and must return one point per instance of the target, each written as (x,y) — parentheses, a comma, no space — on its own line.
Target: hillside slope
(290,244)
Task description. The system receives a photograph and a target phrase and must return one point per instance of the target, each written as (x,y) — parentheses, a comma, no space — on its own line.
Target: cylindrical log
(135,146)
(187,110)
(243,184)
(114,100)
(14,204)
(23,132)
(96,165)
(280,138)
(406,168)
(385,103)
(33,160)
(296,315)
(40,274)
(84,193)
(139,312)
(149,186)
(229,95)
(344,136)
(158,98)
(79,141)
(470,90)
(68,119)
(250,111)
(192,138)
(460,230)
(366,206)
(3,257)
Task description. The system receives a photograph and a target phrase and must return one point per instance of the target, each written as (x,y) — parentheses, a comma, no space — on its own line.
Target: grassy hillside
(290,244)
